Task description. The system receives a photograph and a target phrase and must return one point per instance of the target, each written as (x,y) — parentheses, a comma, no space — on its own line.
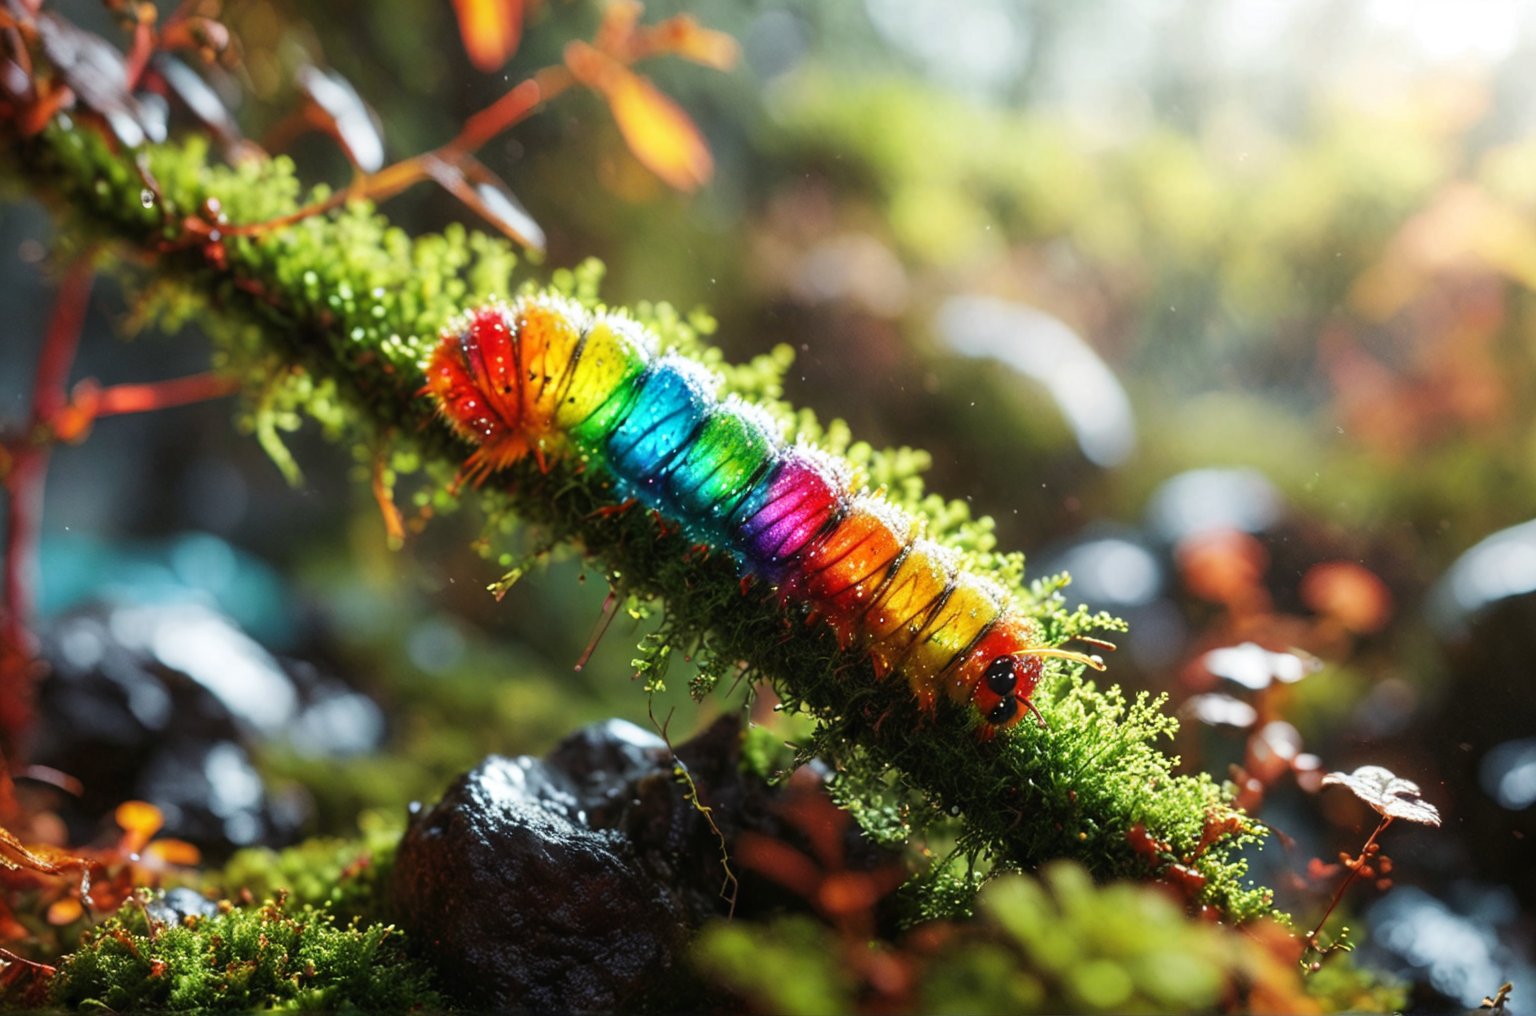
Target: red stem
(24,484)
(1354,873)
(49,391)
(506,112)
(181,391)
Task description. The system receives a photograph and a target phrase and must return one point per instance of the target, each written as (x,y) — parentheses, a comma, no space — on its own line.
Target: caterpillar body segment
(542,376)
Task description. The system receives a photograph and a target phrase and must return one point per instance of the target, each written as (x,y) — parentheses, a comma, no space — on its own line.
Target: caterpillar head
(1008,684)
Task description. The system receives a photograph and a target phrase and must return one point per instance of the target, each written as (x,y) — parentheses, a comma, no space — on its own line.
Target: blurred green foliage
(1052,943)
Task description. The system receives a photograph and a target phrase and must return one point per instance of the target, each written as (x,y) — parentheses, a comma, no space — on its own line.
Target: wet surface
(574,882)
(165,703)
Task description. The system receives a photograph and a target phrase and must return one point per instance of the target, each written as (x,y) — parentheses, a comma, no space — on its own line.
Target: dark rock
(164,702)
(527,906)
(574,882)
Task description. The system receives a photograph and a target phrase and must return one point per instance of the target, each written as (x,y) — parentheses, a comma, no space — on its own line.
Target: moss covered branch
(330,317)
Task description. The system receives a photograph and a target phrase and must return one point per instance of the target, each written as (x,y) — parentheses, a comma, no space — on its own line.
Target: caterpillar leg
(613,510)
(507,449)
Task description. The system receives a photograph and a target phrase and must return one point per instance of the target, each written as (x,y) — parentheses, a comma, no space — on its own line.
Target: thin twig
(1354,873)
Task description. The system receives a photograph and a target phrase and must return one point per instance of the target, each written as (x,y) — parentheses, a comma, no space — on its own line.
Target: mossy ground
(273,956)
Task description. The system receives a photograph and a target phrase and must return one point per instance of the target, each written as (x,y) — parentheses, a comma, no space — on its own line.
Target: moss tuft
(273,956)
(346,875)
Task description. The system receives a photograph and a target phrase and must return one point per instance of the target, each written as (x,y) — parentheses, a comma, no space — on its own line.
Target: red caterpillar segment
(543,377)
(475,378)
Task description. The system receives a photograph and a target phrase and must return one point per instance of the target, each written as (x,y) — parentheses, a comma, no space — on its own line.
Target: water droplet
(147,198)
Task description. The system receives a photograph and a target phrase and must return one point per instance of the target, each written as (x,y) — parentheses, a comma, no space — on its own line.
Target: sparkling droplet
(147,198)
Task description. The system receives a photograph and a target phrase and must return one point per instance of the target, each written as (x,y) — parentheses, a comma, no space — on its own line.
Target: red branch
(23,483)
(118,400)
(56,417)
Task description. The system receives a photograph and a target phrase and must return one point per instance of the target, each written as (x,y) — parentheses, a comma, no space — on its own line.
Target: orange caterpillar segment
(548,340)
(840,569)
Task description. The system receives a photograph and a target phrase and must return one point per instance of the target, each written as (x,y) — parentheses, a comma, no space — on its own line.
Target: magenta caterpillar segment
(542,376)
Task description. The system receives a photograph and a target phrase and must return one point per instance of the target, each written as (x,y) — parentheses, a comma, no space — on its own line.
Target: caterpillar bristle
(1093,660)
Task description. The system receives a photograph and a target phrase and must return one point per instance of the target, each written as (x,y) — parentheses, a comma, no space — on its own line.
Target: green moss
(329,320)
(273,956)
(346,875)
(790,966)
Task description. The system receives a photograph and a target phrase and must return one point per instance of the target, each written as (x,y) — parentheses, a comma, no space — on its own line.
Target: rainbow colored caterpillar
(545,377)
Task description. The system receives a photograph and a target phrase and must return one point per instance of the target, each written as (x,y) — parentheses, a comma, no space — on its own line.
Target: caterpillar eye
(1002,675)
(1004,711)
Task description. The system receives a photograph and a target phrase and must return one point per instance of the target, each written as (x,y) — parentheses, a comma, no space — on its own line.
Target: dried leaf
(45,860)
(491,30)
(780,862)
(11,930)
(65,911)
(1224,566)
(1272,749)
(210,38)
(189,88)
(94,70)
(1216,710)
(616,34)
(1389,794)
(483,192)
(658,132)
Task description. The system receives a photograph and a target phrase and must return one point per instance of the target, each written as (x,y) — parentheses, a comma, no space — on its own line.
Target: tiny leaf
(139,820)
(686,38)
(484,193)
(1389,794)
(343,114)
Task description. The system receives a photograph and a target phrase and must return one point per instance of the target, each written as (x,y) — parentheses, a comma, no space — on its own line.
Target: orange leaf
(491,30)
(657,131)
(616,34)
(591,66)
(65,911)
(174,852)
(1349,593)
(690,40)
(140,821)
